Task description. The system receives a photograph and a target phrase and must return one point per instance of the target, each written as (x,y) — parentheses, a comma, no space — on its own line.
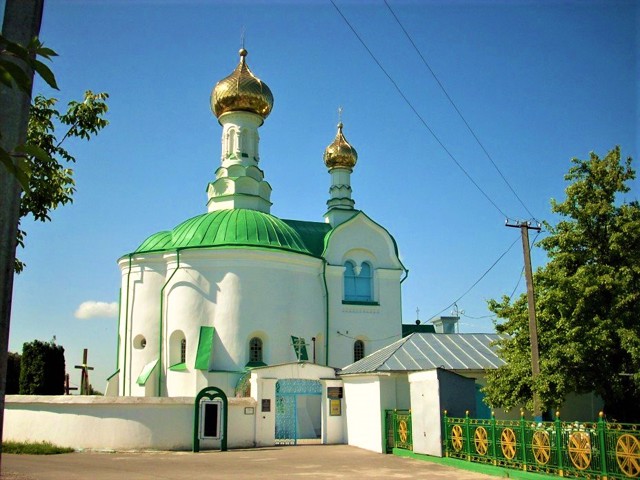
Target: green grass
(34,448)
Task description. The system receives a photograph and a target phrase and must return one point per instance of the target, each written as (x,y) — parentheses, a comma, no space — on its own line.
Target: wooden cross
(67,388)
(85,387)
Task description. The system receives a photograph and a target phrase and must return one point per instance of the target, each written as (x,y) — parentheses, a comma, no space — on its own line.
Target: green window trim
(205,348)
(350,302)
(178,367)
(146,372)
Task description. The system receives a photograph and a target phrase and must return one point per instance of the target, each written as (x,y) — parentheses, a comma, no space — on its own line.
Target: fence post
(523,440)
(559,445)
(445,429)
(395,428)
(467,436)
(493,437)
(602,432)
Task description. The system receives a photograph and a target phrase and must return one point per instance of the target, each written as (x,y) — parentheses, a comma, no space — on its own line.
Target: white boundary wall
(122,423)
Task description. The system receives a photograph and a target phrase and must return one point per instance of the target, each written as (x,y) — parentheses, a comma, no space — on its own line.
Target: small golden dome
(241,91)
(340,154)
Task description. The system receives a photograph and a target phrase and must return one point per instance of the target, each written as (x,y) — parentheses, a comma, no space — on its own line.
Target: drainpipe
(326,309)
(406,274)
(161,322)
(118,330)
(124,341)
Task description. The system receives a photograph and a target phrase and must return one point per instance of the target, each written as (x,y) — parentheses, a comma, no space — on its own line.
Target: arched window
(358,287)
(177,350)
(255,350)
(183,350)
(358,350)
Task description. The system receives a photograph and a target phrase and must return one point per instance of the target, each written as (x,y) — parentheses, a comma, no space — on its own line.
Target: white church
(236,287)
(240,329)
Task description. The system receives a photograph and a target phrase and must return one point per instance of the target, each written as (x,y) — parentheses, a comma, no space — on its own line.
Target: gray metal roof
(426,351)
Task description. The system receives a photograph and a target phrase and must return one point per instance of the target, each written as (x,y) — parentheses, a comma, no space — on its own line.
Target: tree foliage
(13,58)
(587,300)
(13,374)
(42,369)
(50,181)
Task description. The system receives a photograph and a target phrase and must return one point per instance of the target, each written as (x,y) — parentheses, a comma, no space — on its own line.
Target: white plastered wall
(237,291)
(139,317)
(433,391)
(366,399)
(359,240)
(89,422)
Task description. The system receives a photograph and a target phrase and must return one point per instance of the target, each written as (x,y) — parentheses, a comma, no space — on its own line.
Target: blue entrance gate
(298,412)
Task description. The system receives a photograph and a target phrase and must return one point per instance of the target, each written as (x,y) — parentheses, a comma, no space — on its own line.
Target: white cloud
(93,309)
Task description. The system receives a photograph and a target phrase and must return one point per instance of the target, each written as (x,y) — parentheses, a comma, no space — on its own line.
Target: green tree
(50,182)
(587,300)
(42,369)
(13,374)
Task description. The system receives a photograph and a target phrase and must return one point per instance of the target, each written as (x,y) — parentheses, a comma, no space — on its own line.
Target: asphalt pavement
(304,462)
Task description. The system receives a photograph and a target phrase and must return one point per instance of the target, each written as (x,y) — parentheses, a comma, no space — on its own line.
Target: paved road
(305,462)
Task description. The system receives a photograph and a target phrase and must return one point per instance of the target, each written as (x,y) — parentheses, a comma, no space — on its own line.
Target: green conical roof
(227,228)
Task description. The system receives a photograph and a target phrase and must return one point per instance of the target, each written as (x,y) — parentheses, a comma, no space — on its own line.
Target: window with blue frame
(358,287)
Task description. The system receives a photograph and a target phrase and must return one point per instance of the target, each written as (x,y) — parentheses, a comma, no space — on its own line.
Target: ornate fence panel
(622,447)
(287,393)
(398,429)
(595,450)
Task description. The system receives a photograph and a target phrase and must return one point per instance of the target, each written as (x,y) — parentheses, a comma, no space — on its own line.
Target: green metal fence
(398,429)
(595,450)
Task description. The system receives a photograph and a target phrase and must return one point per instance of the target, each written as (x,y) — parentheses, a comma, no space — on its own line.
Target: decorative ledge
(349,302)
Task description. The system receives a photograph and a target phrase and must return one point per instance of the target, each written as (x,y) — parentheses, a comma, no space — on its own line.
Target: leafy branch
(15,62)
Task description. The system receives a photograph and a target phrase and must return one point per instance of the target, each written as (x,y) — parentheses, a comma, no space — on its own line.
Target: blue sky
(539,82)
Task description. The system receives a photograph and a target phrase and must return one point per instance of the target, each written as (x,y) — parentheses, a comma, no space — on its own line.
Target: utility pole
(21,22)
(531,302)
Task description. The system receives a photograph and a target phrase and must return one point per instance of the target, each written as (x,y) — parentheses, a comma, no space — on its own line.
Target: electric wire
(453,104)
(476,318)
(517,284)
(477,281)
(365,340)
(422,120)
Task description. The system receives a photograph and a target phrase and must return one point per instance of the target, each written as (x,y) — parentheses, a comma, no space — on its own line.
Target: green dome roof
(227,228)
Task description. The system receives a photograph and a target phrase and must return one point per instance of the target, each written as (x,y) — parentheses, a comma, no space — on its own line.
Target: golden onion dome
(340,154)
(241,91)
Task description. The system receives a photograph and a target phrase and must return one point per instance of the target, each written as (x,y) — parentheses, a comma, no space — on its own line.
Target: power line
(457,109)
(517,284)
(477,281)
(476,318)
(366,340)
(424,123)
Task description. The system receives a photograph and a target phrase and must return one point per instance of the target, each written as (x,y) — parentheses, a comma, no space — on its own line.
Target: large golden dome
(340,154)
(241,91)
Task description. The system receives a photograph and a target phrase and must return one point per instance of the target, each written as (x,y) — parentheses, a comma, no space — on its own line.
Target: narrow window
(255,350)
(363,284)
(349,281)
(358,288)
(358,350)
(183,350)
